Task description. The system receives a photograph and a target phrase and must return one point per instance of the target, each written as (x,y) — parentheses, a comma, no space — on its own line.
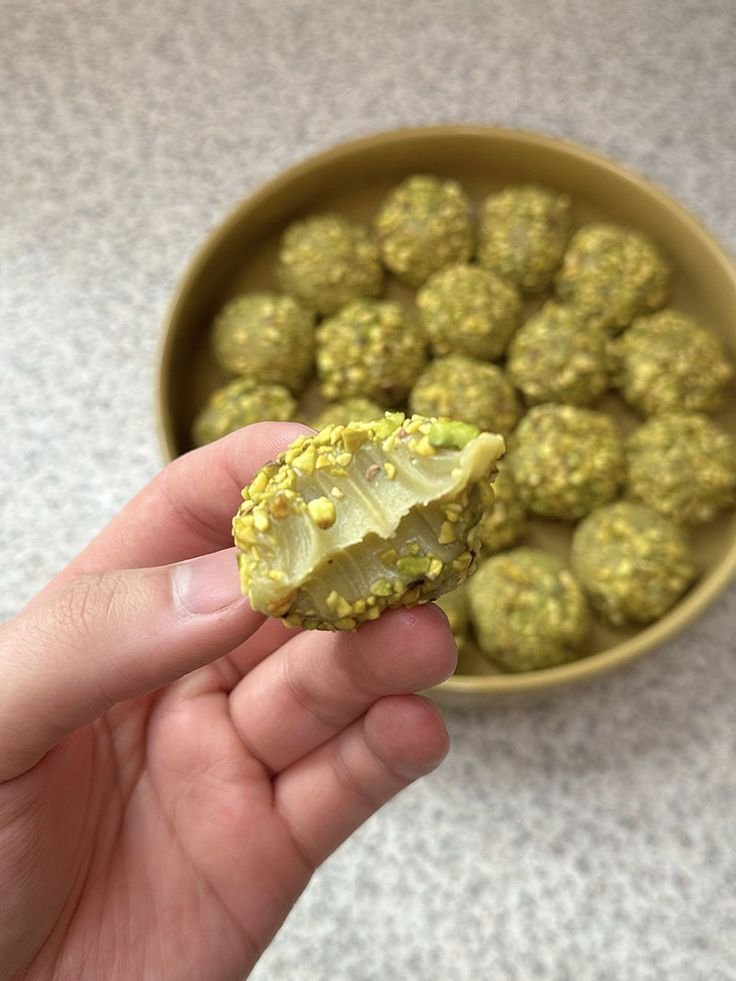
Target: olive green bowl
(352,179)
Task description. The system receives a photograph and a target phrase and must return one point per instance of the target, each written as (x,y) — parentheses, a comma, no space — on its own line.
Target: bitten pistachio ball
(350,410)
(357,519)
(566,461)
(669,362)
(683,465)
(458,387)
(504,523)
(371,348)
(556,357)
(325,261)
(424,224)
(240,403)
(468,310)
(610,275)
(267,337)
(528,610)
(632,563)
(523,232)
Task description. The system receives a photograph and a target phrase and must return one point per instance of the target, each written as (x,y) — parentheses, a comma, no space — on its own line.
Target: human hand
(172,765)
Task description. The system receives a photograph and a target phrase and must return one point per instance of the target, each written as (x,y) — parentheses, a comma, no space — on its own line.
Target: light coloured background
(589,839)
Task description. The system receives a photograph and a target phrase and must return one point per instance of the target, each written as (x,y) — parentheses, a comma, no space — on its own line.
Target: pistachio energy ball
(370,348)
(528,610)
(458,387)
(669,362)
(504,522)
(566,461)
(610,275)
(468,310)
(266,336)
(422,225)
(325,261)
(683,465)
(356,519)
(349,410)
(240,403)
(522,234)
(632,563)
(556,357)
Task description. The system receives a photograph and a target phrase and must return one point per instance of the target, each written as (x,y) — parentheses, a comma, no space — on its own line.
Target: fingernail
(208,583)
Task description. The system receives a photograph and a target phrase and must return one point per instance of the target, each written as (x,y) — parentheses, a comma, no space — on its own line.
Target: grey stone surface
(590,838)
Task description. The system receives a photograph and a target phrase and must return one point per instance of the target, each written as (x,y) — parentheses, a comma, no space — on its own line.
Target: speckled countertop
(592,838)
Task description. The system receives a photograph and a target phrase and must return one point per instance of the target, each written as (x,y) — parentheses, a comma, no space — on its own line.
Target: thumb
(103,638)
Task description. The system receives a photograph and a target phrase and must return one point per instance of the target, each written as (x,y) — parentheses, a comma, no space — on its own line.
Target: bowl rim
(696,600)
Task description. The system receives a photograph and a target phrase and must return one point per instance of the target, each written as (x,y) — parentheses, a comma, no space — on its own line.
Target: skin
(173,766)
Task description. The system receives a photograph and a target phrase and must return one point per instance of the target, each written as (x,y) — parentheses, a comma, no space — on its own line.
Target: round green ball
(266,337)
(632,563)
(326,261)
(523,233)
(610,275)
(683,465)
(565,461)
(422,225)
(458,387)
(370,348)
(528,610)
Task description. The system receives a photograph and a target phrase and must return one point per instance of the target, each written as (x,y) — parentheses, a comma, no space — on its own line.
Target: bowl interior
(352,180)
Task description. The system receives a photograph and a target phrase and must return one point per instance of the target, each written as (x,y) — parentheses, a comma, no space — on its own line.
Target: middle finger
(319,682)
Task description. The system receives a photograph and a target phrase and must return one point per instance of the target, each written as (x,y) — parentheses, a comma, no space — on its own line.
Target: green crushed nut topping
(669,362)
(565,461)
(267,337)
(610,275)
(556,357)
(326,261)
(522,234)
(632,563)
(241,403)
(683,465)
(402,530)
(459,387)
(528,610)
(370,348)
(468,310)
(422,225)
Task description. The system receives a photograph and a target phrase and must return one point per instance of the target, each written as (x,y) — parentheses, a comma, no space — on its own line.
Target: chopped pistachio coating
(528,610)
(240,403)
(364,517)
(267,337)
(459,387)
(424,224)
(683,465)
(669,362)
(610,275)
(455,606)
(522,234)
(468,310)
(371,348)
(632,563)
(504,523)
(350,410)
(556,357)
(566,461)
(326,261)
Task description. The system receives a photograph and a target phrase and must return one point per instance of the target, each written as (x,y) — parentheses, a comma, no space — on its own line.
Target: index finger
(188,508)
